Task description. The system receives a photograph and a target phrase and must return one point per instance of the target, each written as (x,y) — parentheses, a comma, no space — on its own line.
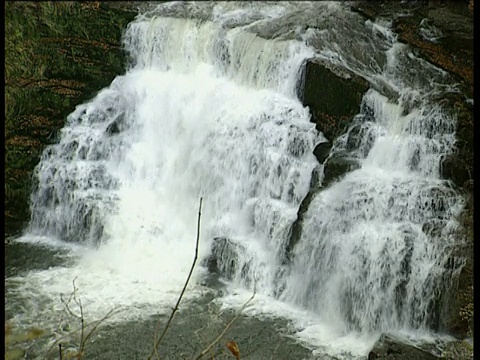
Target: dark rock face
(296,230)
(458,167)
(322,151)
(442,31)
(459,317)
(333,97)
(390,348)
(336,167)
(116,126)
(224,257)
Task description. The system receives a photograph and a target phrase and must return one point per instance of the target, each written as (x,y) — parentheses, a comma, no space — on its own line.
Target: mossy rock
(333,97)
(57,55)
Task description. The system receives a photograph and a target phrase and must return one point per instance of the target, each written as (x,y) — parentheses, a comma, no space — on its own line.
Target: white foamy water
(207,108)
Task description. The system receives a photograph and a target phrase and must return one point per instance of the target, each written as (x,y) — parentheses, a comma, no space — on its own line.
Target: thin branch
(72,295)
(98,322)
(175,309)
(67,307)
(155,340)
(82,319)
(227,327)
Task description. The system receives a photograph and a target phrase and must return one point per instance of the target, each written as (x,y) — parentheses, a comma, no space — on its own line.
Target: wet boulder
(224,257)
(455,170)
(458,166)
(450,24)
(360,137)
(322,151)
(459,350)
(459,316)
(116,126)
(333,96)
(336,167)
(296,229)
(389,347)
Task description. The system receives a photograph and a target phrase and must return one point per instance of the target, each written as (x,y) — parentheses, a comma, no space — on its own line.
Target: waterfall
(375,244)
(203,111)
(208,107)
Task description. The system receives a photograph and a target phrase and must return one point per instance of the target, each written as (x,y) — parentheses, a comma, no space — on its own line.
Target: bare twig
(96,322)
(82,319)
(227,327)
(84,326)
(175,309)
(72,296)
(155,340)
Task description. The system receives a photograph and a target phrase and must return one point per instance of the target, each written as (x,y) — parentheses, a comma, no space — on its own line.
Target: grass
(57,55)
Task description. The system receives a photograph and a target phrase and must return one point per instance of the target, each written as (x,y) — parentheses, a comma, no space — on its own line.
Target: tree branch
(222,334)
(175,309)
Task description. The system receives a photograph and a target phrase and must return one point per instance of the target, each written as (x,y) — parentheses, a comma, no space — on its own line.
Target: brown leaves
(438,55)
(68,42)
(23,141)
(93,5)
(233,347)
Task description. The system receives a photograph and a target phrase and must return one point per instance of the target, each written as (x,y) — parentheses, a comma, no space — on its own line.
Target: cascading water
(374,245)
(209,109)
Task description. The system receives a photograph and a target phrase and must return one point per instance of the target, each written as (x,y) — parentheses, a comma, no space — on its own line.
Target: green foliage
(57,55)
(458,350)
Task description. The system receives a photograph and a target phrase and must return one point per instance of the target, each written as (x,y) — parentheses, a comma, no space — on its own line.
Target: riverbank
(57,55)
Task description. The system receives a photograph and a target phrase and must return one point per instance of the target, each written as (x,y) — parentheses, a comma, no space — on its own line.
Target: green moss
(57,55)
(458,350)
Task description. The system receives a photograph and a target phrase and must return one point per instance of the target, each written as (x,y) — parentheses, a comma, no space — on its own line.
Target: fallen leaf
(233,347)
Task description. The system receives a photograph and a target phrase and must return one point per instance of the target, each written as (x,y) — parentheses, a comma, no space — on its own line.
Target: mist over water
(209,108)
